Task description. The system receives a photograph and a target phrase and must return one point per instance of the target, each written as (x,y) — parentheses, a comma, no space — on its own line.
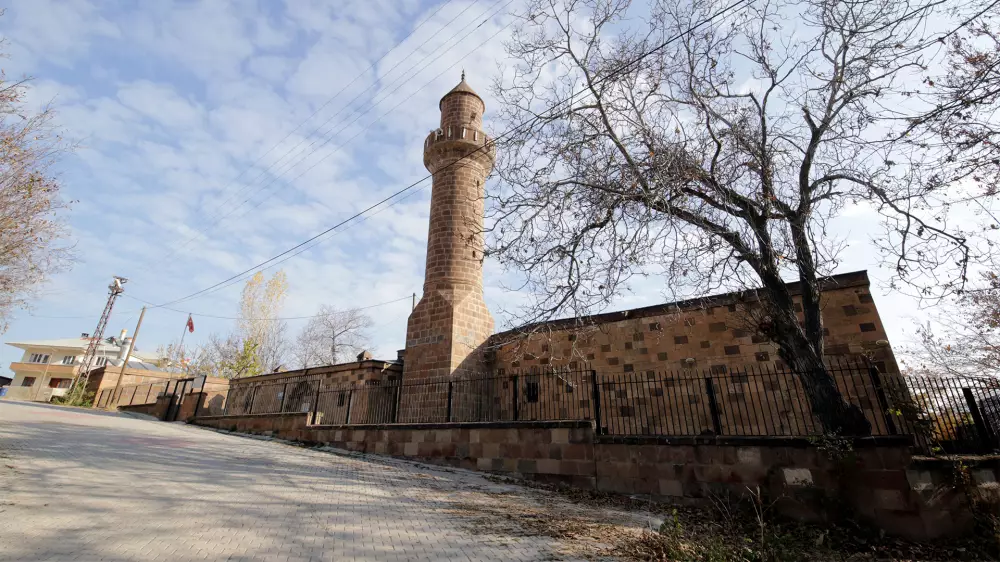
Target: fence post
(284,393)
(516,407)
(449,400)
(596,397)
(986,436)
(713,406)
(253,398)
(350,397)
(148,392)
(396,400)
(316,401)
(197,403)
(883,401)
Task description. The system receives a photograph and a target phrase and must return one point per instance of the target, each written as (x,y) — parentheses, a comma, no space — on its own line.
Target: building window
(60,383)
(101,361)
(38,358)
(69,360)
(28,381)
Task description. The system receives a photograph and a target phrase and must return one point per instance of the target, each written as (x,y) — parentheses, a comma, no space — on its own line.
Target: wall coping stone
(970,461)
(558,424)
(749,441)
(839,281)
(282,414)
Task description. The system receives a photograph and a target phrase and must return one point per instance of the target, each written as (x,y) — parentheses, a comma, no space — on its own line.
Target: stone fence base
(877,478)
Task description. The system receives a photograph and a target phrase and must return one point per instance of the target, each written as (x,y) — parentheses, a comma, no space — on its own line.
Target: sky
(214,134)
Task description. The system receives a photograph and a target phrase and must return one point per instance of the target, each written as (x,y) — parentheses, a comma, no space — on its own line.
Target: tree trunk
(806,361)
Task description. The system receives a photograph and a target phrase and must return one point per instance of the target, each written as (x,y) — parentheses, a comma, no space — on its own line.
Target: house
(48,367)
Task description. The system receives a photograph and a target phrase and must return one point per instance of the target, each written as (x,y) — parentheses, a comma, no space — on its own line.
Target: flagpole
(184,333)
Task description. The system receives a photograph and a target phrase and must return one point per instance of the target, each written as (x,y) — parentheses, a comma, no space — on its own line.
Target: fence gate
(178,390)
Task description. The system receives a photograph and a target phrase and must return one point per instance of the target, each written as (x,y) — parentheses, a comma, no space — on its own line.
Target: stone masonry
(706,334)
(446,330)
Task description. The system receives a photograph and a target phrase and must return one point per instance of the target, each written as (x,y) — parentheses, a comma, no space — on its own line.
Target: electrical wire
(228,282)
(488,144)
(329,135)
(203,315)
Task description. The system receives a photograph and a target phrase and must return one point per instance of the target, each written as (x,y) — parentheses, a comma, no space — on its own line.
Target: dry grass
(610,526)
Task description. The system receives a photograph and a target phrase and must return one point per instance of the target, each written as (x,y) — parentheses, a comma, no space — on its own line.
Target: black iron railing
(942,414)
(130,395)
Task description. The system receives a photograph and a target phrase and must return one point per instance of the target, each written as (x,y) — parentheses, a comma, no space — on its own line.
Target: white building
(48,367)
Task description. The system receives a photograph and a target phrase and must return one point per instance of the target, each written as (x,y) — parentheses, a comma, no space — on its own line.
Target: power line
(88,316)
(401,83)
(329,135)
(203,315)
(226,283)
(487,144)
(510,131)
(235,279)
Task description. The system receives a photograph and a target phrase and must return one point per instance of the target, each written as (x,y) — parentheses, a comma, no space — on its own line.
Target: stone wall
(659,368)
(879,479)
(157,408)
(295,391)
(714,331)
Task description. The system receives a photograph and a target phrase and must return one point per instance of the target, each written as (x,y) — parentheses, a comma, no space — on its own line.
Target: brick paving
(81,485)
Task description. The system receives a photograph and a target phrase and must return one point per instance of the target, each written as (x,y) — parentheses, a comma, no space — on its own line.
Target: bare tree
(956,127)
(31,229)
(333,336)
(964,340)
(715,158)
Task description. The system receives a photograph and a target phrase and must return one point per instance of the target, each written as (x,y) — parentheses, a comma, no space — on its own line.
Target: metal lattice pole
(114,289)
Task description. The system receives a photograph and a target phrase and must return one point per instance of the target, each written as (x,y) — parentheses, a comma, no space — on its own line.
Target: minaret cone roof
(463,87)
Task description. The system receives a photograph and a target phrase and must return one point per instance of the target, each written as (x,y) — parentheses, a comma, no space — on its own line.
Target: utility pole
(114,289)
(128,354)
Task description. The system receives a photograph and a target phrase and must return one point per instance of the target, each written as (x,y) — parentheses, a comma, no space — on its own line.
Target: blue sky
(184,109)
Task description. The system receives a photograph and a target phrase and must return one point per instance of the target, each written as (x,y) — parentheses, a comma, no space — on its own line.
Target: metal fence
(130,394)
(942,414)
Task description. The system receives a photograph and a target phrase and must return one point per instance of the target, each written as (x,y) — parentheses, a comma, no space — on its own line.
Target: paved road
(80,485)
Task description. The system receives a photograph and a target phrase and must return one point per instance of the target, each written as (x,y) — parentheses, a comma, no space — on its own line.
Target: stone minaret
(447,329)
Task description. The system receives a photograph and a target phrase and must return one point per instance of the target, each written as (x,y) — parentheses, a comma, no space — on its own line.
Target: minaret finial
(463,74)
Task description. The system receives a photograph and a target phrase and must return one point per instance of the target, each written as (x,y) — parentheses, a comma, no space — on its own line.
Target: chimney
(121,337)
(124,346)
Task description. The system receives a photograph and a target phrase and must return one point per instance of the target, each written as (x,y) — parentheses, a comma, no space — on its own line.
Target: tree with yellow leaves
(258,323)
(258,344)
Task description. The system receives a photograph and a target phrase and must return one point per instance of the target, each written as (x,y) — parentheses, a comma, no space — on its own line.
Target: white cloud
(176,101)
(161,103)
(60,32)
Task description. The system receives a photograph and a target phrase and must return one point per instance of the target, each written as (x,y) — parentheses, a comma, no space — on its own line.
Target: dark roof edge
(378,363)
(839,281)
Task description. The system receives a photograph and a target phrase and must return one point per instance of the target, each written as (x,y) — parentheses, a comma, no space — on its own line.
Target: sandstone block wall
(879,479)
(295,391)
(713,331)
(658,366)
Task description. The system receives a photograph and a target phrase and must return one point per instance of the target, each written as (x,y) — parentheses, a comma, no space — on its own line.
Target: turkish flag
(190,324)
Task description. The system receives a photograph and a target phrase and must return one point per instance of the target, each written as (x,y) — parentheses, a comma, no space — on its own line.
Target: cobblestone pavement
(81,485)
